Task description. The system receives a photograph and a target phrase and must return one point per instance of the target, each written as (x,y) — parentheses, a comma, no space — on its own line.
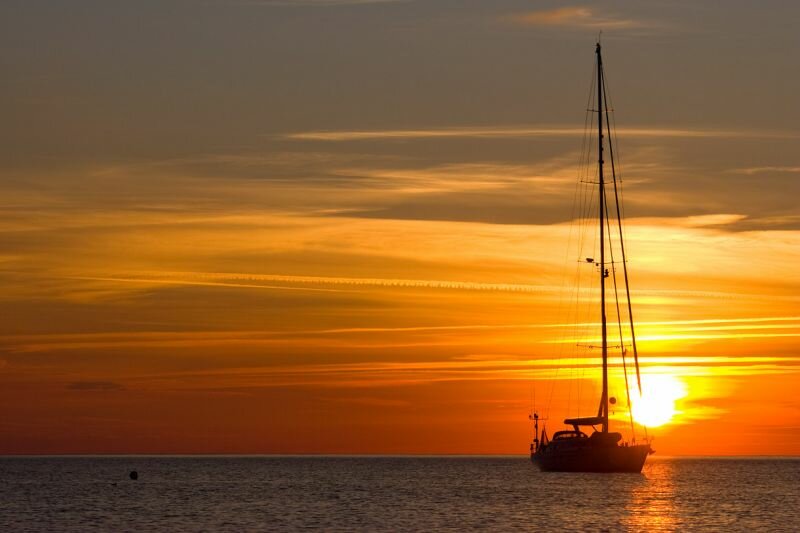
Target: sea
(408,493)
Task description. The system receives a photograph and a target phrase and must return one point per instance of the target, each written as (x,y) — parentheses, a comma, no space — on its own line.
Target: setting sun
(656,406)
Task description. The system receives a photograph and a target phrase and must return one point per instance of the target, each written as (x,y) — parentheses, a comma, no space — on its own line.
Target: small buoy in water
(134,475)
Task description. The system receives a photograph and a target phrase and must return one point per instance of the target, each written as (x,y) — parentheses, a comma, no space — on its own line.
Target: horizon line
(361,455)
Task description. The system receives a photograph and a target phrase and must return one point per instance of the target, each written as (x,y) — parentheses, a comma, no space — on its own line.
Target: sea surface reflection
(392,493)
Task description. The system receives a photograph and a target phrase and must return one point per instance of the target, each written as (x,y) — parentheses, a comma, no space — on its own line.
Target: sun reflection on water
(652,504)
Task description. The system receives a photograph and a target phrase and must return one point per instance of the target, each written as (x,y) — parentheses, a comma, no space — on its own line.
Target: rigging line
(587,319)
(577,372)
(578,200)
(585,292)
(583,162)
(577,205)
(532,410)
(611,141)
(618,170)
(588,137)
(620,206)
(585,166)
(622,249)
(619,324)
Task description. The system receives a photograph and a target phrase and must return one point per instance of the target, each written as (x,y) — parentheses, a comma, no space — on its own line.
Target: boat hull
(592,458)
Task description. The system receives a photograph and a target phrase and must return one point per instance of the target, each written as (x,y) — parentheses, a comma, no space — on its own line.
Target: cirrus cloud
(576,17)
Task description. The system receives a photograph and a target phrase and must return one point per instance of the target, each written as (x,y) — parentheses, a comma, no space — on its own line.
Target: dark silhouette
(573,450)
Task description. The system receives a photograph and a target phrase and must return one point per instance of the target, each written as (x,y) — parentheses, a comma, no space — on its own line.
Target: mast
(603,410)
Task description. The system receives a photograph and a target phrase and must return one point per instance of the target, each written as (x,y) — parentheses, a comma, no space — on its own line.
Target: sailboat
(572,450)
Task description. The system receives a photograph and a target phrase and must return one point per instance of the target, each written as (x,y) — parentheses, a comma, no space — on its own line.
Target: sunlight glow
(656,406)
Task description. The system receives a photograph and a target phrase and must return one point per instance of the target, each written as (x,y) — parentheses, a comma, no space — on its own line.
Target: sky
(344,226)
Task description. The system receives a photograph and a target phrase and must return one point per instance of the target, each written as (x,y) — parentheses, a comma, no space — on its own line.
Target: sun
(656,406)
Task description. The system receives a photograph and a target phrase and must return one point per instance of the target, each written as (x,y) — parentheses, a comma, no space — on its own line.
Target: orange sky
(256,234)
(444,359)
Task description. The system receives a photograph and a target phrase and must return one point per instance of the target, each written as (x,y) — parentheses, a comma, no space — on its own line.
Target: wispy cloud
(229,280)
(577,17)
(692,336)
(312,3)
(527,132)
(327,283)
(720,328)
(200,283)
(104,386)
(776,221)
(376,375)
(462,177)
(720,219)
(762,170)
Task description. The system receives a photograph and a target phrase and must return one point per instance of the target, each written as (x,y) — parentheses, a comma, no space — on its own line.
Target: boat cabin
(561,435)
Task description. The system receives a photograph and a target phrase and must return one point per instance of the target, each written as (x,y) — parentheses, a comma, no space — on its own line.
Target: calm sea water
(392,493)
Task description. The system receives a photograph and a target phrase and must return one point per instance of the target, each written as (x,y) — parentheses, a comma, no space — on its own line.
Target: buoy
(134,475)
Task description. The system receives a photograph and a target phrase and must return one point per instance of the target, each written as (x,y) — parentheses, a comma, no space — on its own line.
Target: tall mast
(603,411)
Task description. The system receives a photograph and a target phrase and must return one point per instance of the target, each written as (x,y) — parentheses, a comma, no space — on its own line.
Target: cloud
(681,336)
(721,219)
(325,283)
(462,177)
(394,372)
(775,222)
(716,328)
(576,17)
(499,183)
(370,401)
(156,281)
(95,386)
(763,170)
(229,280)
(313,3)
(522,132)
(380,374)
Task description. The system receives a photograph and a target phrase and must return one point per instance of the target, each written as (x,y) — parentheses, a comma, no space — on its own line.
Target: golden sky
(343,226)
